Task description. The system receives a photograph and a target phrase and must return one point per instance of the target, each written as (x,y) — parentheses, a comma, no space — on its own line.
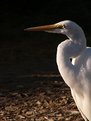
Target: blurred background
(26,53)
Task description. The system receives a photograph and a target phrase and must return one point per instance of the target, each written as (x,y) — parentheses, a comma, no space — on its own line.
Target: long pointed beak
(43,28)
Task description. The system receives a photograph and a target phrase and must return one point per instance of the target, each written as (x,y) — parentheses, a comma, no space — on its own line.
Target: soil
(39,97)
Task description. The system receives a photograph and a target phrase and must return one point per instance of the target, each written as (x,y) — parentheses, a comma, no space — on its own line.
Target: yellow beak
(44,27)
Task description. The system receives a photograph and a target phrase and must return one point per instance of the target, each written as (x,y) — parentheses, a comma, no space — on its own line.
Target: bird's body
(82,93)
(76,73)
(79,80)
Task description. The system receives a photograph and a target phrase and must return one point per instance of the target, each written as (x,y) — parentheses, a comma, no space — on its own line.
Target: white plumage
(76,73)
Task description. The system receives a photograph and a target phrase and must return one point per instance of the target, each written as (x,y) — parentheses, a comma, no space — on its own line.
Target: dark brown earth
(37,98)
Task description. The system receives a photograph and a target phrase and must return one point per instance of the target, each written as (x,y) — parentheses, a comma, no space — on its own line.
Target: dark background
(25,53)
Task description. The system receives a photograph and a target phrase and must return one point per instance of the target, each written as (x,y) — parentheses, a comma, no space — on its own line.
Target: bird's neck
(66,50)
(78,37)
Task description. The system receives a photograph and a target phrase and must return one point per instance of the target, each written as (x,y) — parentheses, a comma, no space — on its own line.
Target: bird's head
(67,27)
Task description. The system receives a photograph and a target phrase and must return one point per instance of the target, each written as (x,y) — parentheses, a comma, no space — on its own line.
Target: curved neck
(65,67)
(78,37)
(66,50)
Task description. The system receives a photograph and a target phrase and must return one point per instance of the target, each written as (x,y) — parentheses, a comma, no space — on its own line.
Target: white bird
(76,73)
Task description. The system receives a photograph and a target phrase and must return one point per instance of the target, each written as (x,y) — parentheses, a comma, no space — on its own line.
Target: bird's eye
(61,27)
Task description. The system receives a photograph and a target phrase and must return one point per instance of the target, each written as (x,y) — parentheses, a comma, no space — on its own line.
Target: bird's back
(83,62)
(82,93)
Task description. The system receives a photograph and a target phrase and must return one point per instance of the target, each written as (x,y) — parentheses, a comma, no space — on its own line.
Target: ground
(39,97)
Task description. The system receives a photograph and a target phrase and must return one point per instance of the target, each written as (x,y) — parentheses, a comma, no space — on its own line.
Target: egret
(74,62)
